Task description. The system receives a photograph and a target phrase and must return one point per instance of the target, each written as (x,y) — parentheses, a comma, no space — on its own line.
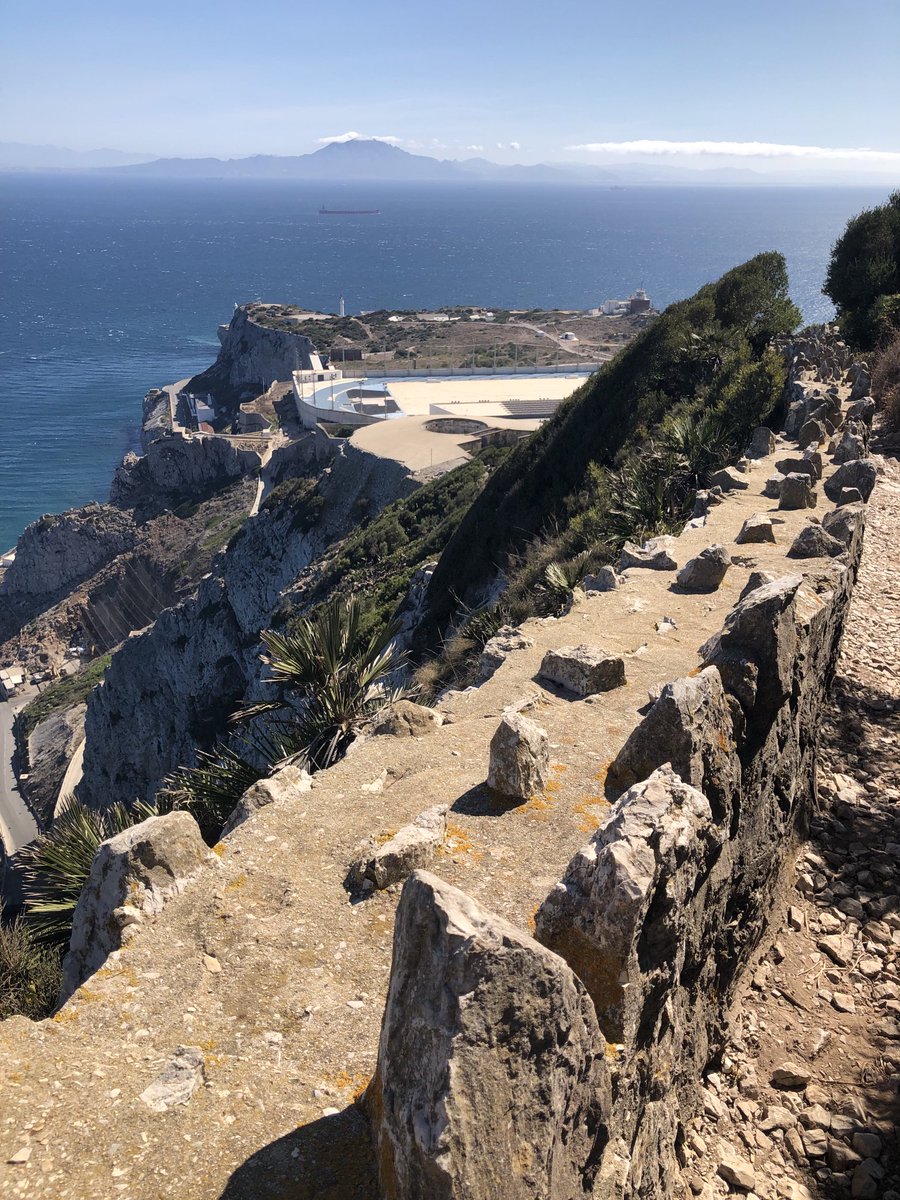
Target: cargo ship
(349,212)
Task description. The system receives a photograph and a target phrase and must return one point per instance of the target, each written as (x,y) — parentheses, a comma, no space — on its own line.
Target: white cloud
(473,148)
(739,150)
(353,136)
(515,145)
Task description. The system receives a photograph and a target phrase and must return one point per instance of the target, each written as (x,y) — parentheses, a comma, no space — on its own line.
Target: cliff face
(55,555)
(177,468)
(253,355)
(171,687)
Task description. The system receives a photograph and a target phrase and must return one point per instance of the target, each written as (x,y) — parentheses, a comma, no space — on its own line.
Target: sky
(776,85)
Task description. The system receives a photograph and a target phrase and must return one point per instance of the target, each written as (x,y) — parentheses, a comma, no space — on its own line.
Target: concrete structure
(202,413)
(10,680)
(639,302)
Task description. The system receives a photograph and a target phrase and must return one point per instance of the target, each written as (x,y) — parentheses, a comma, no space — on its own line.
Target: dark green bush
(863,279)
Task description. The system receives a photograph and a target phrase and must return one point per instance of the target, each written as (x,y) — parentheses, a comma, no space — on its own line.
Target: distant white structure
(202,412)
(568,336)
(341,307)
(637,302)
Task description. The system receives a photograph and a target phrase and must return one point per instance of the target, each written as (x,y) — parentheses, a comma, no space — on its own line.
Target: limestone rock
(660,833)
(850,495)
(177,1082)
(655,554)
(757,528)
(405,719)
(583,670)
(689,727)
(491,1078)
(762,442)
(757,579)
(729,479)
(861,381)
(800,465)
(520,757)
(505,642)
(410,848)
(706,571)
(851,446)
(772,486)
(284,785)
(862,410)
(815,542)
(844,522)
(143,867)
(604,579)
(797,491)
(737,1172)
(756,648)
(812,433)
(790,1075)
(859,473)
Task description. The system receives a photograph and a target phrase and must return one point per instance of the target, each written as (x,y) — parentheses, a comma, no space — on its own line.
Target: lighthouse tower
(341,307)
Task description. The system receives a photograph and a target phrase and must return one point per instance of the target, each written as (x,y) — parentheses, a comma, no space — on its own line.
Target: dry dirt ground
(826,999)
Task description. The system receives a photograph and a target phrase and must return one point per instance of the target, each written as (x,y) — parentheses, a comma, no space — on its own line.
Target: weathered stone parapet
(492,1080)
(133,876)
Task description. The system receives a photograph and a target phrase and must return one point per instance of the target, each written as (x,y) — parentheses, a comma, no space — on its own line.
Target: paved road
(17,825)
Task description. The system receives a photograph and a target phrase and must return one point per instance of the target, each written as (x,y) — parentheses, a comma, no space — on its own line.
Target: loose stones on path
(519,757)
(797,491)
(757,528)
(583,670)
(705,572)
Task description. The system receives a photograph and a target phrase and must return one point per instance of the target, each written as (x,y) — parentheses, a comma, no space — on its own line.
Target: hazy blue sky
(516,80)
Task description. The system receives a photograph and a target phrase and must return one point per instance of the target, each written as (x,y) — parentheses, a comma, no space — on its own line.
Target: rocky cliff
(172,686)
(231,1035)
(256,348)
(178,468)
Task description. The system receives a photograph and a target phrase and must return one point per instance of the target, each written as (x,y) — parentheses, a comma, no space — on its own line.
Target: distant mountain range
(359,160)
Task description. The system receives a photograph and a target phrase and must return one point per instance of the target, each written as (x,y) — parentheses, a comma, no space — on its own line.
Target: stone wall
(657,917)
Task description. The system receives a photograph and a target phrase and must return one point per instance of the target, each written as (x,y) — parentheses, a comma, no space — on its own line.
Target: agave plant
(702,443)
(211,789)
(651,494)
(57,864)
(561,579)
(30,973)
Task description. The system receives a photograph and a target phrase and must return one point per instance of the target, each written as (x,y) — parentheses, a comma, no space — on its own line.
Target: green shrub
(64,693)
(30,973)
(863,279)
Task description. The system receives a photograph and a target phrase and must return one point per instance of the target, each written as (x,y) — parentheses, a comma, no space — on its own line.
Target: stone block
(729,479)
(762,442)
(815,542)
(656,555)
(757,528)
(519,757)
(706,571)
(140,869)
(851,446)
(797,491)
(844,522)
(410,849)
(405,719)
(812,433)
(491,1078)
(604,579)
(583,670)
(284,785)
(860,473)
(506,641)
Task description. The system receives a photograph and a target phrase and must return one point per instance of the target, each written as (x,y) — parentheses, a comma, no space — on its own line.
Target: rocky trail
(806,1104)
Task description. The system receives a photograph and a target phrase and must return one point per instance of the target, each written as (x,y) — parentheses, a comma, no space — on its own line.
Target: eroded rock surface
(492,1079)
(520,758)
(583,670)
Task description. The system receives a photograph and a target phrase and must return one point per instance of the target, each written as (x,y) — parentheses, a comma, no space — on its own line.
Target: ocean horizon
(112,286)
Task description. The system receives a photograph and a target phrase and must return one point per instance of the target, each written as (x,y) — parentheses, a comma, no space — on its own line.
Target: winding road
(17,825)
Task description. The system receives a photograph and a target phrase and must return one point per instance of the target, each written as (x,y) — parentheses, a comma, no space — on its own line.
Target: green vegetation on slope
(863,279)
(705,357)
(64,693)
(377,562)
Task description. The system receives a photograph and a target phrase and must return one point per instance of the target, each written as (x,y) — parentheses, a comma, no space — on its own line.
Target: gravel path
(807,1104)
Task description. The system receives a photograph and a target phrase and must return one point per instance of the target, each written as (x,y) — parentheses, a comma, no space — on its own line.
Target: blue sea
(111,286)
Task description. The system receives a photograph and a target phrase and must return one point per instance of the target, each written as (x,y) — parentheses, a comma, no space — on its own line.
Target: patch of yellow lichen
(458,844)
(234,884)
(551,786)
(385,837)
(558,767)
(591,809)
(65,1015)
(219,848)
(601,773)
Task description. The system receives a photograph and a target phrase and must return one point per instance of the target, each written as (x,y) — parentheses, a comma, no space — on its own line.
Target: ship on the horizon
(349,212)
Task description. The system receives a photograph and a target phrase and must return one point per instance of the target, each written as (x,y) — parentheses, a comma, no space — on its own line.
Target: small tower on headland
(341,307)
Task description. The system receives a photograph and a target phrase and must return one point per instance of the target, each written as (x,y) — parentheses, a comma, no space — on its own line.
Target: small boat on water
(349,212)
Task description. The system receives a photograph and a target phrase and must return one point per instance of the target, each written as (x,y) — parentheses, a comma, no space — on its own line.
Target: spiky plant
(30,973)
(332,675)
(701,442)
(562,578)
(651,494)
(57,864)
